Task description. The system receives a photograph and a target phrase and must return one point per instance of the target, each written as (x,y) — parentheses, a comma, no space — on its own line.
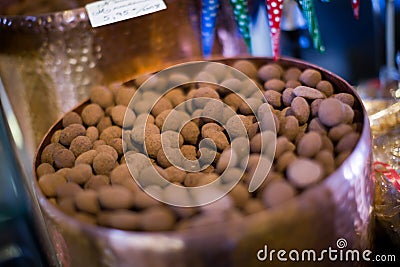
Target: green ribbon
(308,10)
(241,13)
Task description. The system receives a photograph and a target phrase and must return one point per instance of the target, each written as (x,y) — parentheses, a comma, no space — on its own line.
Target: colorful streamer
(355,4)
(208,18)
(274,11)
(308,10)
(241,13)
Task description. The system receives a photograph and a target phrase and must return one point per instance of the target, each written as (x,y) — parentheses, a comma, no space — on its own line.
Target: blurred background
(355,49)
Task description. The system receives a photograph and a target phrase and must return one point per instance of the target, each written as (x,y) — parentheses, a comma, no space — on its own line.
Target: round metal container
(338,207)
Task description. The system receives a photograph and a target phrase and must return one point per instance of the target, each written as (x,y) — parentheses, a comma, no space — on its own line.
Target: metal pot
(339,208)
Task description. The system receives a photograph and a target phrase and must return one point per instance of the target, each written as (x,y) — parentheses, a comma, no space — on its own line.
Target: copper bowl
(339,207)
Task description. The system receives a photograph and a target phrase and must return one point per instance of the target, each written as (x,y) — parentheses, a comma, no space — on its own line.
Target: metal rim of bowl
(54,212)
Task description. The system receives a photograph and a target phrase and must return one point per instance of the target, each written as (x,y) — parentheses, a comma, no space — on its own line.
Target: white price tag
(110,11)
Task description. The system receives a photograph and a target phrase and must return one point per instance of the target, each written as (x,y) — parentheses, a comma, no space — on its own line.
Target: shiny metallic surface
(338,207)
(48,62)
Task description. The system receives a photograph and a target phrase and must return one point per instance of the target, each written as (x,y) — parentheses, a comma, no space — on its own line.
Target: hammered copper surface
(48,62)
(338,207)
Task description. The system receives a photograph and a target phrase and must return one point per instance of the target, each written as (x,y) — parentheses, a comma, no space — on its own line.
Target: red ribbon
(389,173)
(274,11)
(356,7)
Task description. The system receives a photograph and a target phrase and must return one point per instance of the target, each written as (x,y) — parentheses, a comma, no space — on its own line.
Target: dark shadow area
(355,49)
